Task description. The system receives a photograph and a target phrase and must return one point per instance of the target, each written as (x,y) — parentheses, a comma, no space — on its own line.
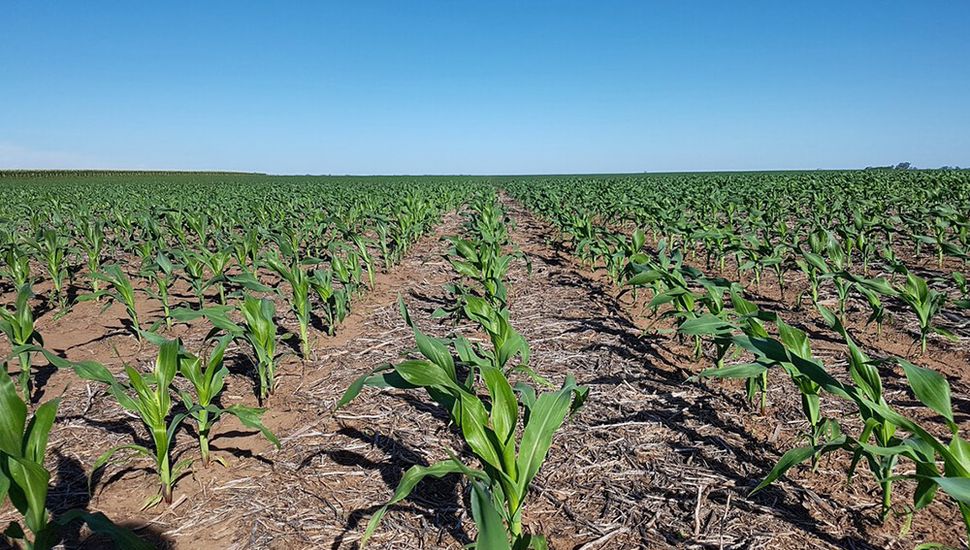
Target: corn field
(736,360)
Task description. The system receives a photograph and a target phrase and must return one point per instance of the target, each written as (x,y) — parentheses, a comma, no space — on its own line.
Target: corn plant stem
(304,338)
(24,359)
(262,382)
(204,428)
(160,435)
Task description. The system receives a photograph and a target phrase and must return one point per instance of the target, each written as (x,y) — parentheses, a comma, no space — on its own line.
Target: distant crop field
(702,360)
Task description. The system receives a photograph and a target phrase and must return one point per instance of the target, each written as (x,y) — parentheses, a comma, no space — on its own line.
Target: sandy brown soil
(653,461)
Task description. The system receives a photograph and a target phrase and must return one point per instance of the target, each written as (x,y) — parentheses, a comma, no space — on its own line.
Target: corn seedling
(335,301)
(18,326)
(193,264)
(258,329)
(218,262)
(16,267)
(926,303)
(878,443)
(24,480)
(208,380)
(52,250)
(490,428)
(299,283)
(92,242)
(149,397)
(161,273)
(119,290)
(964,288)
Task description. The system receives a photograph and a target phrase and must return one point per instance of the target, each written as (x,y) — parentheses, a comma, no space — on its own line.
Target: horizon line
(483,175)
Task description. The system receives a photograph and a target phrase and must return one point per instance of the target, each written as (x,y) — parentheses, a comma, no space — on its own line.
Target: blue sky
(484,87)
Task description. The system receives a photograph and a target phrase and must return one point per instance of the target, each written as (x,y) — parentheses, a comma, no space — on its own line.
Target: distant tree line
(908,166)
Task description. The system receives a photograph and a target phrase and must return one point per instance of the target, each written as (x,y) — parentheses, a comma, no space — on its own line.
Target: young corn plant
(506,342)
(926,303)
(246,249)
(720,323)
(161,274)
(208,380)
(793,347)
(878,443)
(874,291)
(385,242)
(18,326)
(964,288)
(361,243)
(748,319)
(16,267)
(218,262)
(491,429)
(626,253)
(258,329)
(836,265)
(865,374)
(150,397)
(299,283)
(813,266)
(92,242)
(24,480)
(335,301)
(119,290)
(193,264)
(484,264)
(52,251)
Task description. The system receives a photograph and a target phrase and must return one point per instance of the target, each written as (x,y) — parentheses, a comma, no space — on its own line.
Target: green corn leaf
(107,455)
(470,415)
(32,479)
(409,480)
(930,387)
(13,416)
(956,487)
(38,430)
(794,457)
(425,373)
(705,325)
(745,370)
(380,378)
(505,408)
(252,417)
(644,278)
(545,417)
(527,395)
(794,339)
(436,352)
(492,533)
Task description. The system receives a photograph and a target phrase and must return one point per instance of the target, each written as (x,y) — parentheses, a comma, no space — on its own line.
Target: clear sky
(395,87)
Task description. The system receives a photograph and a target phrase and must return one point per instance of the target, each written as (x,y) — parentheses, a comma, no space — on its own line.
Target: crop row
(859,234)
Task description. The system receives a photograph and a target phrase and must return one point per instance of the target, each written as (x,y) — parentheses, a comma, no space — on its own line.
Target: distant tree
(903,166)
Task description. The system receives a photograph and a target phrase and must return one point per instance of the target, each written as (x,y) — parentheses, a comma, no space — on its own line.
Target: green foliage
(510,445)
(18,326)
(24,480)
(149,397)
(207,377)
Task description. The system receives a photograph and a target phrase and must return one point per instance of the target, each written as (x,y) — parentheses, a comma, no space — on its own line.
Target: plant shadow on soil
(70,492)
(441,495)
